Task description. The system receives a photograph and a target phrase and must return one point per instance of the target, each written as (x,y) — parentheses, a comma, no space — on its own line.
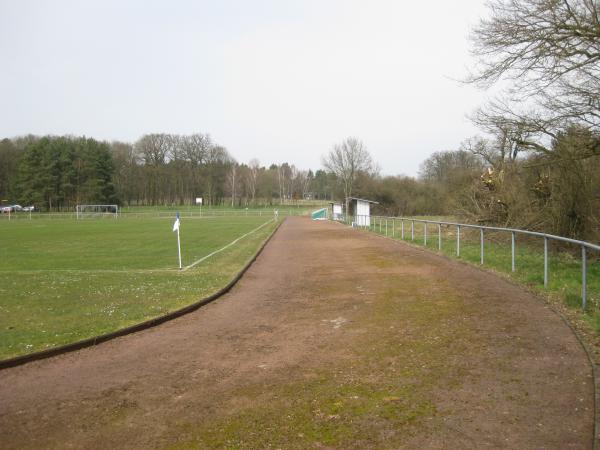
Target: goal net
(85,211)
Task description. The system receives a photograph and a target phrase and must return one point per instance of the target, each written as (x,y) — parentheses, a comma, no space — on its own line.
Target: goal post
(84,211)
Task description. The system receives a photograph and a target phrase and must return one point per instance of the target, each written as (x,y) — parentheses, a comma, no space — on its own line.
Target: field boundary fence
(405,228)
(205,212)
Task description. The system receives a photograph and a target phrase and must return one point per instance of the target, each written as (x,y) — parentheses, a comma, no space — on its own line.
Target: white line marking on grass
(195,263)
(166,269)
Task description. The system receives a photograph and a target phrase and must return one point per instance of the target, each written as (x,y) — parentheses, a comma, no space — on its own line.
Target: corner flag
(176,224)
(176,228)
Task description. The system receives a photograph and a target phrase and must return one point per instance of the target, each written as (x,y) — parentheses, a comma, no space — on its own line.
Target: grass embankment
(565,272)
(62,280)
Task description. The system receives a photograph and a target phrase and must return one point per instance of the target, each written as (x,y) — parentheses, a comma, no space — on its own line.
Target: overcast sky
(277,80)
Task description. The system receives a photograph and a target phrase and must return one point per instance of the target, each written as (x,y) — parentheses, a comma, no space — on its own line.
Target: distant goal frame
(96,211)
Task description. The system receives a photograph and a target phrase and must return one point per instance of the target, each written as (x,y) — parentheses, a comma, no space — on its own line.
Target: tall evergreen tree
(60,172)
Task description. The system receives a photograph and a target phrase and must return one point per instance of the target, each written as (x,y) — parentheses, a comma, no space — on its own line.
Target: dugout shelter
(359,211)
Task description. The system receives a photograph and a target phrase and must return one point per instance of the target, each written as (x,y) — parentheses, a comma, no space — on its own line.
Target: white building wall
(337,212)
(363,214)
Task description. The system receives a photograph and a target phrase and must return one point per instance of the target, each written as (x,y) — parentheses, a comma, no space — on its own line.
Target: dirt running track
(333,339)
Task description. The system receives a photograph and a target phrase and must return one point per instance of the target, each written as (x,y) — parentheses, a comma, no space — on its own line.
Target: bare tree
(284,176)
(536,43)
(516,131)
(346,161)
(154,149)
(482,148)
(195,148)
(292,177)
(231,182)
(214,169)
(549,51)
(127,176)
(302,182)
(252,177)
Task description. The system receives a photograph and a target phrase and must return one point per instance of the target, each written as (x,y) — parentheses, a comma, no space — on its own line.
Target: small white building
(337,211)
(359,210)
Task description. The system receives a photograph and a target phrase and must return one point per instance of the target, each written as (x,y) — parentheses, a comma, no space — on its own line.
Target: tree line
(59,172)
(555,192)
(486,180)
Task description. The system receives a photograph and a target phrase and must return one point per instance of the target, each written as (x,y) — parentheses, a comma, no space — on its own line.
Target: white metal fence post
(545,262)
(481,230)
(425,234)
(458,241)
(439,237)
(583,277)
(513,249)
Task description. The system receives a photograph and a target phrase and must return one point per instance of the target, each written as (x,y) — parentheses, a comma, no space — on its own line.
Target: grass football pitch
(64,280)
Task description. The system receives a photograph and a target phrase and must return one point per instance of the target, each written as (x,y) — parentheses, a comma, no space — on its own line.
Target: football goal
(85,211)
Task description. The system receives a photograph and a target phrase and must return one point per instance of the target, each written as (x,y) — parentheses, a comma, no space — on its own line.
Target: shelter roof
(363,200)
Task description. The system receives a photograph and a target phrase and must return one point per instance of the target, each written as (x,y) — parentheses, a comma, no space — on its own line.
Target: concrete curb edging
(95,340)
(595,368)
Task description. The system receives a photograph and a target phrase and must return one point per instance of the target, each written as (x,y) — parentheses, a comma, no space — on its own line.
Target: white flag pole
(179,248)
(176,228)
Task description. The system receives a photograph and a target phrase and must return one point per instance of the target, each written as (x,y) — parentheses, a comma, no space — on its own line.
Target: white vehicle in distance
(16,208)
(11,208)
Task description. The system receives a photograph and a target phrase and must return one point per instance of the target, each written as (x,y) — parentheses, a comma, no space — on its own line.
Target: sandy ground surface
(327,316)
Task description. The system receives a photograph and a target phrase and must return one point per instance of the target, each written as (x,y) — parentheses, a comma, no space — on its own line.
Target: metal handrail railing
(364,221)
